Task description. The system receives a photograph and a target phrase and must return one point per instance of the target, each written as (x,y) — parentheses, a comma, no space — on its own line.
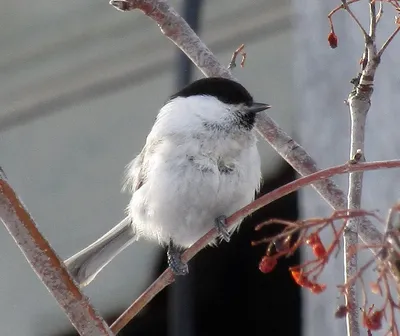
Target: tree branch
(47,265)
(359,102)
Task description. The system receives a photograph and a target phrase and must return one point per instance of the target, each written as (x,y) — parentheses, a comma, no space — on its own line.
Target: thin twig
(391,235)
(232,63)
(380,13)
(47,265)
(388,41)
(347,8)
(392,226)
(373,20)
(332,12)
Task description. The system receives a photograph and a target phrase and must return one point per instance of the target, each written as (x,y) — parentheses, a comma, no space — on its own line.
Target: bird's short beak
(258,107)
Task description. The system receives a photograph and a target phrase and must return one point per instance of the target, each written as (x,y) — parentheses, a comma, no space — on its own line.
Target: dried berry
(267,264)
(375,288)
(317,288)
(300,279)
(316,244)
(332,40)
(373,319)
(303,281)
(341,311)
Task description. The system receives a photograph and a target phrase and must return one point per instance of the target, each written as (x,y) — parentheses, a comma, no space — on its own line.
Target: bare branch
(393,227)
(372,20)
(388,41)
(391,235)
(347,8)
(358,114)
(380,13)
(47,265)
(232,63)
(359,104)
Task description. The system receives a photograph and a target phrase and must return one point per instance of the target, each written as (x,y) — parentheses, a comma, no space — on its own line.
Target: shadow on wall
(230,293)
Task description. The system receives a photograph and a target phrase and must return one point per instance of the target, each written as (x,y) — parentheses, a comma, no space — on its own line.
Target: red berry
(333,40)
(317,288)
(315,242)
(373,320)
(300,278)
(267,264)
(341,311)
(375,288)
(319,251)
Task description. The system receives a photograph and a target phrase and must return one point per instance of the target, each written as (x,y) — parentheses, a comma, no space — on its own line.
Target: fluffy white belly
(181,199)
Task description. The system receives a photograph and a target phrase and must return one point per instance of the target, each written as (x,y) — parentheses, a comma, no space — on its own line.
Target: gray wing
(136,170)
(134,173)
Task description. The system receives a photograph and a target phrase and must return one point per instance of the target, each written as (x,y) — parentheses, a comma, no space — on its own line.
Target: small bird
(200,164)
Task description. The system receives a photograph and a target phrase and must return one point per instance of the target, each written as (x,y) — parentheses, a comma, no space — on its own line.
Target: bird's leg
(174,260)
(220,224)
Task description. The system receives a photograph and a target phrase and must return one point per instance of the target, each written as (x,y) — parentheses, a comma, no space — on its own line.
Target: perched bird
(199,165)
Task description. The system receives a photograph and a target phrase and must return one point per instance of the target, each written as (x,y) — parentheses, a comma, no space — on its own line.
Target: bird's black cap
(226,90)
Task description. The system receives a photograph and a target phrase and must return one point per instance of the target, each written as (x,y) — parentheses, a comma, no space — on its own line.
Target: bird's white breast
(193,174)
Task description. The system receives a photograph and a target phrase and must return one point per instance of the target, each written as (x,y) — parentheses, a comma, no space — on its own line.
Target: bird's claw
(220,224)
(175,262)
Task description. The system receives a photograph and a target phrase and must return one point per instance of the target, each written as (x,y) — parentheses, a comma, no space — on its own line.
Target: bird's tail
(86,264)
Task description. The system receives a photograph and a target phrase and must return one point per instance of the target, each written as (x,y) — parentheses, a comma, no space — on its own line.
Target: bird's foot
(220,224)
(175,262)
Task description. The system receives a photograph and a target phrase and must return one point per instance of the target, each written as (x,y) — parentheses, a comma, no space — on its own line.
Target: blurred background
(80,86)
